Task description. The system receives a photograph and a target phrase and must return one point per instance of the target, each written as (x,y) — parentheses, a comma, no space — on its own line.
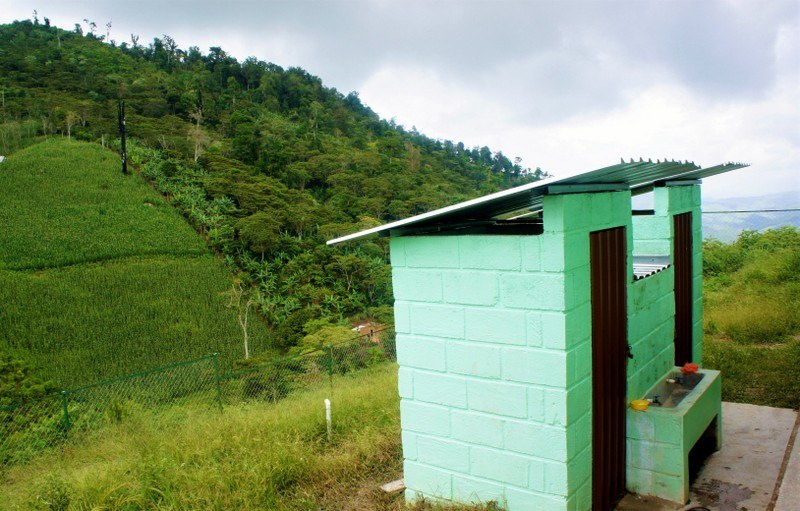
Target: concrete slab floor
(743,474)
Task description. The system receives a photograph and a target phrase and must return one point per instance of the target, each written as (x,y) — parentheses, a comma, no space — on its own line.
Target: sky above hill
(565,85)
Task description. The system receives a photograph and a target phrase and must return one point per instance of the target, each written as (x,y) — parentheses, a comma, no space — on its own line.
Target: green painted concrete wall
(659,441)
(494,347)
(652,235)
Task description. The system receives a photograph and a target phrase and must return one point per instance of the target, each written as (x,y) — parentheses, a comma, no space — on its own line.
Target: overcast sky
(565,85)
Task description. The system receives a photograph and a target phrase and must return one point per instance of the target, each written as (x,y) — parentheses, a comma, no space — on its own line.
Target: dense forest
(265,162)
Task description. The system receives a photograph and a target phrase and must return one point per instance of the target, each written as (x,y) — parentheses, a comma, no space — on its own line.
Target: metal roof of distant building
(637,176)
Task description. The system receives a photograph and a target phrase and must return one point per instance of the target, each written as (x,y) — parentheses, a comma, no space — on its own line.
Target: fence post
(67,424)
(217,379)
(330,367)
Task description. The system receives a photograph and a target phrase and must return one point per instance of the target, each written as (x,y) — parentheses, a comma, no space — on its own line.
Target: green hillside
(99,275)
(266,162)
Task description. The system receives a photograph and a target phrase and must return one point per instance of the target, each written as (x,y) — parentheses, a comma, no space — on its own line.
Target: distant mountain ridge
(725,218)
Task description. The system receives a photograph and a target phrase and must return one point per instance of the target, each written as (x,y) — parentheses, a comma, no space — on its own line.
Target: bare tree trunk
(123,149)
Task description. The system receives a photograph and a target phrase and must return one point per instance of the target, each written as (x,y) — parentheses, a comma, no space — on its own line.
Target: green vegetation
(65,204)
(266,163)
(752,316)
(257,455)
(98,274)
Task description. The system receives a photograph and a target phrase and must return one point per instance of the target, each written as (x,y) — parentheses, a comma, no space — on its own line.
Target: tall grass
(752,316)
(99,276)
(67,203)
(255,456)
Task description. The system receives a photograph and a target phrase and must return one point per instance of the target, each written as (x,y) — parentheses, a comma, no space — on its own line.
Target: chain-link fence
(727,225)
(30,428)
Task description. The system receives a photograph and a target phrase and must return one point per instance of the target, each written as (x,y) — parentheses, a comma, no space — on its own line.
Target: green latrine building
(529,319)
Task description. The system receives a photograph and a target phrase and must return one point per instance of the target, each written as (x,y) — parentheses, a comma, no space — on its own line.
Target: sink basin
(672,389)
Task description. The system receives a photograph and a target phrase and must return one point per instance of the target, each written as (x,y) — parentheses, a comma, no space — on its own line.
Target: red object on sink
(689,368)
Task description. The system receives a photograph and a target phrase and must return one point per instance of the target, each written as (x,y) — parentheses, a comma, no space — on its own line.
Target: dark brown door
(682,261)
(609,359)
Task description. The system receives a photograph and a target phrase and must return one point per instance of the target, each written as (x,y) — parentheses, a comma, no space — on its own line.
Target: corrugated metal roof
(638,176)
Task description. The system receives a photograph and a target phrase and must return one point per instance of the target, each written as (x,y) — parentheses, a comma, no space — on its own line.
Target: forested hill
(265,162)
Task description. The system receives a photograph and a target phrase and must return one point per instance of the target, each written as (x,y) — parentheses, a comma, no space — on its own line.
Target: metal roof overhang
(639,177)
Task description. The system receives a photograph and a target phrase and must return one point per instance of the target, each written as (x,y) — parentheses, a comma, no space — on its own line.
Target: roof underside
(522,201)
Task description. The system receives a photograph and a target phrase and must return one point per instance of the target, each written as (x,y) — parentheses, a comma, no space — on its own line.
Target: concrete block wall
(485,356)
(651,328)
(673,200)
(653,235)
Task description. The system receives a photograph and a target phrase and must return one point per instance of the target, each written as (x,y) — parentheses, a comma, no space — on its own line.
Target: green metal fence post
(67,423)
(330,367)
(217,379)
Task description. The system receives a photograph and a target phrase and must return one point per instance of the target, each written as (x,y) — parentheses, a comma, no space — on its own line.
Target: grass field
(752,318)
(99,276)
(254,456)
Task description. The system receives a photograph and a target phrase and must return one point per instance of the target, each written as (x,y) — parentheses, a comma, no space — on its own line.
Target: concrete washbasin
(670,391)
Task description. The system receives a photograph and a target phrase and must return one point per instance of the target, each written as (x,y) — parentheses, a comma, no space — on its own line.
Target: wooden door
(608,254)
(682,262)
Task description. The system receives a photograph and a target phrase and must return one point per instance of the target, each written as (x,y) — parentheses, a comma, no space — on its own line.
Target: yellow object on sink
(640,404)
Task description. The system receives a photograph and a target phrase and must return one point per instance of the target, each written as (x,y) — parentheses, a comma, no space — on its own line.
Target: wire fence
(30,428)
(726,226)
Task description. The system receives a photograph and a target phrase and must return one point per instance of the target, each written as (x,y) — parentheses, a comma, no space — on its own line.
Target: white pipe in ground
(328,416)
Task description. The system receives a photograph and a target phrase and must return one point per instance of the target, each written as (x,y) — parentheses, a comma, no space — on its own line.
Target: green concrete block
(397,252)
(410,284)
(533,291)
(437,320)
(668,459)
(641,425)
(524,500)
(579,402)
(477,428)
(579,363)
(580,471)
(534,328)
(580,286)
(554,330)
(639,481)
(477,491)
(409,440)
(555,407)
(402,317)
(651,247)
(536,404)
(641,454)
(440,389)
(668,486)
(540,367)
(578,325)
(405,382)
(443,453)
(490,252)
(424,418)
(536,479)
(531,247)
(495,325)
(421,353)
(499,466)
(420,478)
(555,479)
(473,359)
(536,440)
(432,251)
(669,428)
(499,398)
(579,435)
(553,252)
(470,287)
